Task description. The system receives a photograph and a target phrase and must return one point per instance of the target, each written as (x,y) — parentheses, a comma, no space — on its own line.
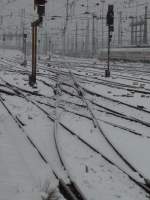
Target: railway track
(115,112)
(91,147)
(96,124)
(70,190)
(80,140)
(69,102)
(109,83)
(86,78)
(90,69)
(129,106)
(38,104)
(79,93)
(111,111)
(84,67)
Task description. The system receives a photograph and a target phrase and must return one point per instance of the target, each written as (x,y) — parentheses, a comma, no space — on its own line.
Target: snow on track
(22,171)
(95,177)
(39,128)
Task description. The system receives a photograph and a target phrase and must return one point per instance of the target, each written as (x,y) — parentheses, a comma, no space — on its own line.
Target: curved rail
(96,124)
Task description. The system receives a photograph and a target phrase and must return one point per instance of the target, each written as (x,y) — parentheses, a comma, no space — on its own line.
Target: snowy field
(77,126)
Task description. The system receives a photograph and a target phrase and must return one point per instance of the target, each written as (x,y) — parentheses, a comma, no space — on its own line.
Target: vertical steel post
(25,49)
(132,33)
(40,11)
(120,30)
(140,35)
(87,38)
(65,27)
(136,24)
(108,48)
(23,27)
(34,54)
(49,49)
(145,26)
(102,1)
(93,35)
(64,42)
(107,71)
(76,40)
(4,40)
(35,49)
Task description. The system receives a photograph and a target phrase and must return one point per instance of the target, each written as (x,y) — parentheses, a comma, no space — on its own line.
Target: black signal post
(40,6)
(110,24)
(25,49)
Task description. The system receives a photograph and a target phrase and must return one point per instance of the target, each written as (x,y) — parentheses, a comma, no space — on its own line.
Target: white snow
(23,173)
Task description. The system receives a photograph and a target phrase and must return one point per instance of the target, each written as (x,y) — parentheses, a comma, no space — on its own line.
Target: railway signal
(40,6)
(110,24)
(110,15)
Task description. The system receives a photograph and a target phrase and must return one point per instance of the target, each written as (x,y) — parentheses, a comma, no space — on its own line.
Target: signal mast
(39,5)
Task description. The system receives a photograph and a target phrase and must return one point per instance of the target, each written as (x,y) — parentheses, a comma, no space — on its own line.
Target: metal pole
(108,48)
(76,39)
(120,33)
(136,26)
(4,39)
(87,38)
(34,25)
(145,26)
(140,35)
(132,35)
(33,54)
(93,36)
(96,36)
(25,49)
(35,49)
(46,43)
(64,42)
(107,71)
(23,28)
(65,27)
(72,43)
(32,80)
(49,49)
(103,1)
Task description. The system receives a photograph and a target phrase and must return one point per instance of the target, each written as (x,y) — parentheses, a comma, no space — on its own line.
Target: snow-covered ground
(120,105)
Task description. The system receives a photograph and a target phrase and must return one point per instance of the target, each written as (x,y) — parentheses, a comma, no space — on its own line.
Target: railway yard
(77,135)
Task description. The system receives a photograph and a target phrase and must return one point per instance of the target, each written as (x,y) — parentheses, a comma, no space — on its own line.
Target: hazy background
(16,16)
